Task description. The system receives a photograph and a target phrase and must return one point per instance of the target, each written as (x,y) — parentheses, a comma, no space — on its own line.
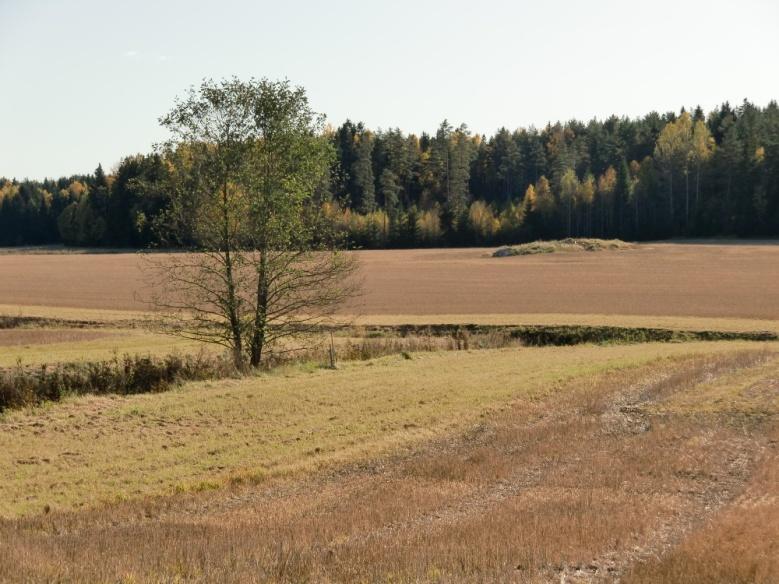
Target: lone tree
(246,161)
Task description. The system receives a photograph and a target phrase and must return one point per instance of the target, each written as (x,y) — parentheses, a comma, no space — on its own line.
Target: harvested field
(607,478)
(596,462)
(101,448)
(17,337)
(717,280)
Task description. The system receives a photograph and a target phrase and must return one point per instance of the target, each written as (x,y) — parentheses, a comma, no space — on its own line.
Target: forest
(687,174)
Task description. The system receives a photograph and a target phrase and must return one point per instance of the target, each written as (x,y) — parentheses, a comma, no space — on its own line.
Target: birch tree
(247,159)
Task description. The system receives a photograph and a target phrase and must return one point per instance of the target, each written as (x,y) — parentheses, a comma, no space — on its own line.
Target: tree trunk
(638,230)
(671,200)
(687,201)
(697,189)
(589,219)
(232,302)
(261,312)
(235,324)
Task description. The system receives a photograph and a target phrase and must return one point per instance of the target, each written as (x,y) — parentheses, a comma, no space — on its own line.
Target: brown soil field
(720,280)
(16,337)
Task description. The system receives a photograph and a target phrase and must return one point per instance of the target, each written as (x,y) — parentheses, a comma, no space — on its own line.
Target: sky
(84,82)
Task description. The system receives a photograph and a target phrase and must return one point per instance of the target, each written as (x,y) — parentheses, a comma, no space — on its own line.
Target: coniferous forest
(689,174)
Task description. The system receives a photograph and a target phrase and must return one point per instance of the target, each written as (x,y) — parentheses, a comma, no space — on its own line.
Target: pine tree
(362,170)
(462,154)
(569,185)
(622,194)
(586,197)
(506,161)
(389,191)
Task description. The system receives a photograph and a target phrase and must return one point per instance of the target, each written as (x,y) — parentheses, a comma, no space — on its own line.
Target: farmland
(367,293)
(735,281)
(488,461)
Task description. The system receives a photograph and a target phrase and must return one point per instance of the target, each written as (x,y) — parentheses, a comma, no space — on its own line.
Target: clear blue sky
(84,81)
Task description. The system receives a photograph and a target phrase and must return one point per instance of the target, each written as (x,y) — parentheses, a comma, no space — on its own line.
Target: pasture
(423,457)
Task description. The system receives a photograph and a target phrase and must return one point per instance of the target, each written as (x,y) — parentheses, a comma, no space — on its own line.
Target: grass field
(653,462)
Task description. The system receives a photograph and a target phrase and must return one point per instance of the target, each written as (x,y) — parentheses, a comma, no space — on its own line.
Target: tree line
(689,174)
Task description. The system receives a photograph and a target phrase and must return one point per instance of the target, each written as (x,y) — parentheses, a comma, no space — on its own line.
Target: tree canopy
(662,175)
(247,160)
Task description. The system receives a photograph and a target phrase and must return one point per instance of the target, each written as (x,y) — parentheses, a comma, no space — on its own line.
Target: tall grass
(563,245)
(375,344)
(493,336)
(25,386)
(128,374)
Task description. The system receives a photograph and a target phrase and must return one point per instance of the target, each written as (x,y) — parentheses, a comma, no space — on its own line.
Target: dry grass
(26,337)
(563,246)
(586,484)
(29,387)
(739,546)
(205,434)
(677,279)
(47,346)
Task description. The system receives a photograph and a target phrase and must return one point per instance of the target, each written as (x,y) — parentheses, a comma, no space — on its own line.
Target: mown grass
(72,313)
(94,449)
(28,337)
(494,318)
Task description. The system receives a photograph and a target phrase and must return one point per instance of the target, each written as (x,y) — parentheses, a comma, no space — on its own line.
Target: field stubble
(204,434)
(602,480)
